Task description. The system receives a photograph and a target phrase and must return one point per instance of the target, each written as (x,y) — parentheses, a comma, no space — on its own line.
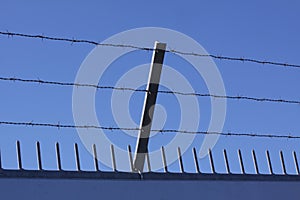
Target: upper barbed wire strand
(281,64)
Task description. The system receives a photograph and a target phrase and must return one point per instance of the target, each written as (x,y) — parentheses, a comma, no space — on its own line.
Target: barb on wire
(11,34)
(144,90)
(58,125)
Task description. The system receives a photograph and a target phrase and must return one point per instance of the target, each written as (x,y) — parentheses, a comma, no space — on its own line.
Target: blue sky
(264,30)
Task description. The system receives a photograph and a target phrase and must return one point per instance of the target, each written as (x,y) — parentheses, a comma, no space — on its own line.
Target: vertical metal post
(149,104)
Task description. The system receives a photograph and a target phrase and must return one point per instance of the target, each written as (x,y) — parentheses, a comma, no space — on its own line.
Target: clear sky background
(265,30)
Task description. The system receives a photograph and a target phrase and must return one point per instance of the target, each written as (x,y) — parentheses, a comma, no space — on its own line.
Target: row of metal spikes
(164,159)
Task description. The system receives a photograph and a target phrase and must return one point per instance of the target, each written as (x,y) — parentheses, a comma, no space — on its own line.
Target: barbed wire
(58,125)
(39,81)
(11,34)
(237,59)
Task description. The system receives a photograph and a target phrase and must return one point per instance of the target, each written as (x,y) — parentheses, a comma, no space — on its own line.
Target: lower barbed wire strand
(58,125)
(240,97)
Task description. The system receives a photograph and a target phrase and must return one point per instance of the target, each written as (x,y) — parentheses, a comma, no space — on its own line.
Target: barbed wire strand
(237,59)
(13,79)
(39,81)
(58,125)
(11,34)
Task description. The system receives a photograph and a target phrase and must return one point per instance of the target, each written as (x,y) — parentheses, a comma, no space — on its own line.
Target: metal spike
(241,161)
(1,161)
(130,158)
(196,160)
(19,156)
(164,159)
(180,160)
(269,162)
(114,164)
(148,162)
(282,163)
(96,158)
(77,157)
(255,162)
(39,156)
(226,161)
(58,157)
(211,161)
(296,162)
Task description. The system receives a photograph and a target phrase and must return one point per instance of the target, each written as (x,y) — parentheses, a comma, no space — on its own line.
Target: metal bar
(283,163)
(180,160)
(19,155)
(211,161)
(106,176)
(39,156)
(114,164)
(130,158)
(269,162)
(255,162)
(58,157)
(77,157)
(149,105)
(196,160)
(96,158)
(164,159)
(226,161)
(241,161)
(296,162)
